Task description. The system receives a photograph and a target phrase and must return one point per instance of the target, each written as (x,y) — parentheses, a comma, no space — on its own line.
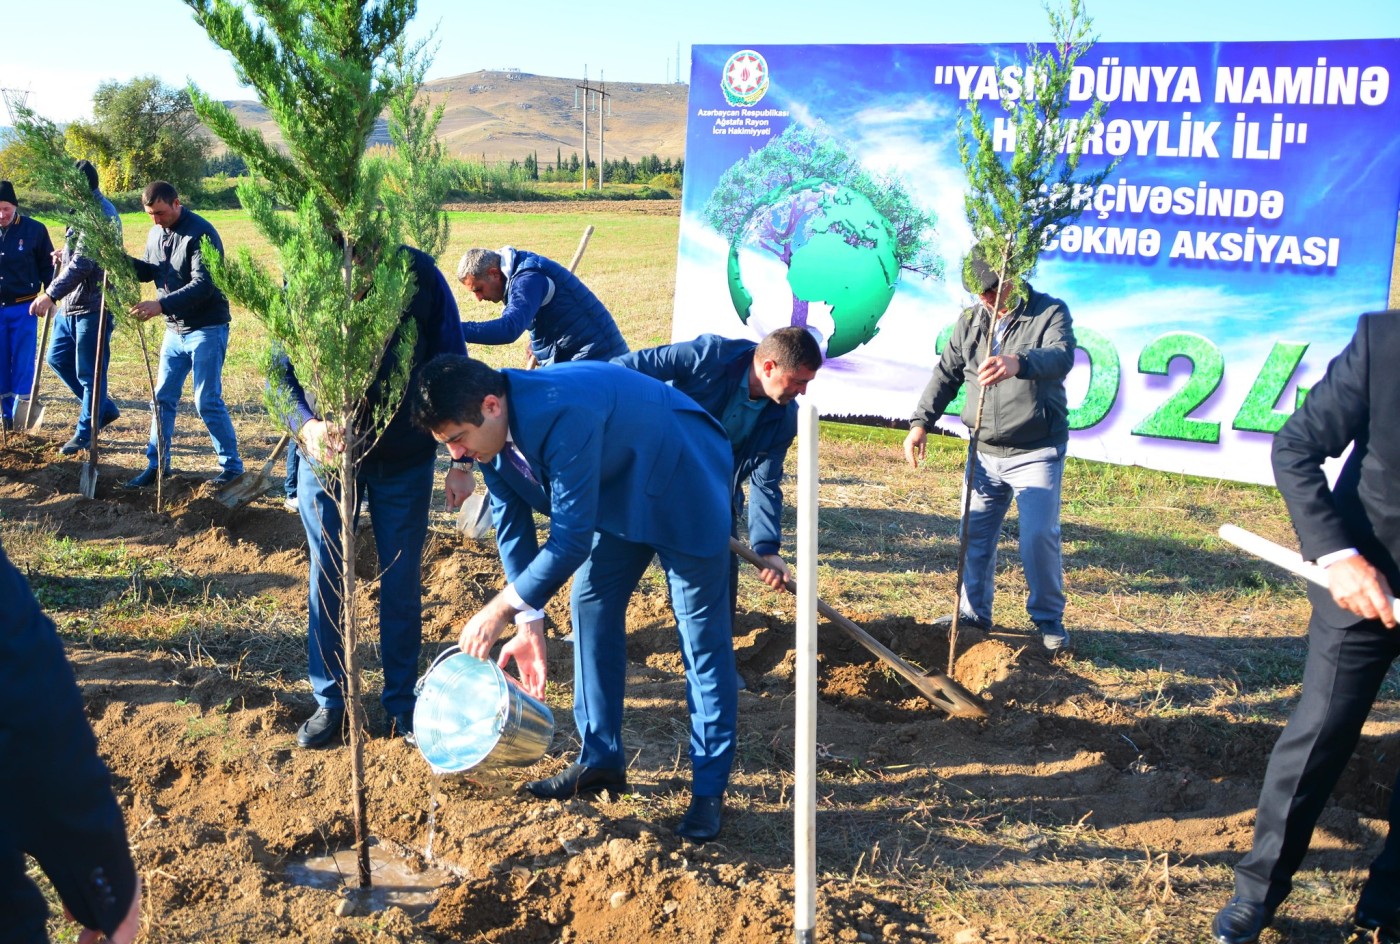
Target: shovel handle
(1281,556)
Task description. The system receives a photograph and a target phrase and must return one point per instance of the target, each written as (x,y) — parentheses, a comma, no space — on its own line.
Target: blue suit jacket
(612,451)
(56,798)
(709,370)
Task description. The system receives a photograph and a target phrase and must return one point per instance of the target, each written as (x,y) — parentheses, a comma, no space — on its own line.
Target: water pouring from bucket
(471,715)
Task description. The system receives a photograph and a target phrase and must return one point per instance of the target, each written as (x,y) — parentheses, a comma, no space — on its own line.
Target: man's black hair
(159,191)
(790,348)
(89,172)
(450,389)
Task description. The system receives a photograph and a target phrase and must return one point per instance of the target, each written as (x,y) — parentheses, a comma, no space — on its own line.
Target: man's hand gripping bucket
(471,714)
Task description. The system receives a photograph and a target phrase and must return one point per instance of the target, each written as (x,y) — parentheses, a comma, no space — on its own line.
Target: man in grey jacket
(1021,445)
(73,350)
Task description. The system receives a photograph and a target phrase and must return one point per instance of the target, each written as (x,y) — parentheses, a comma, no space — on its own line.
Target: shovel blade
(87,480)
(248,487)
(29,415)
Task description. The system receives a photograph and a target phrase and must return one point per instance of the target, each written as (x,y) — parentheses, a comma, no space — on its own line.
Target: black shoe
(225,477)
(73,446)
(1240,921)
(1376,927)
(578,780)
(946,622)
(702,821)
(109,420)
(147,479)
(401,725)
(324,728)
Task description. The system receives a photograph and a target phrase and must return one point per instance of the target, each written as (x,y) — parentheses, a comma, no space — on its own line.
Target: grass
(1176,634)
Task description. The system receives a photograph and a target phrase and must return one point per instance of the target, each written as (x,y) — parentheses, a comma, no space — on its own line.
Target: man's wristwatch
(462,465)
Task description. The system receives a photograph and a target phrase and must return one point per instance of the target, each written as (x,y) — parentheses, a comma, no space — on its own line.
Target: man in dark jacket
(56,800)
(73,350)
(196,329)
(566,321)
(1352,529)
(1021,445)
(396,478)
(752,389)
(26,264)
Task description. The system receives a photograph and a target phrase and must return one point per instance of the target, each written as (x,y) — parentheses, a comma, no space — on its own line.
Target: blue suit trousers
(700,599)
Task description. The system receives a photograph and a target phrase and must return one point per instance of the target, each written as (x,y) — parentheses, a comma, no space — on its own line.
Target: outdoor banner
(1250,219)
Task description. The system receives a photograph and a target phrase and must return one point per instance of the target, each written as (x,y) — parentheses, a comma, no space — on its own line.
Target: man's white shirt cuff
(526,613)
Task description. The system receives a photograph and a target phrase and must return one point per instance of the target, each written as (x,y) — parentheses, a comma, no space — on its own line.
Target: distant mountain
(501,115)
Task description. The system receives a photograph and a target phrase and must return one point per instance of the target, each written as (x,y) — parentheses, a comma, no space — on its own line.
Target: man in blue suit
(752,389)
(626,468)
(565,319)
(56,798)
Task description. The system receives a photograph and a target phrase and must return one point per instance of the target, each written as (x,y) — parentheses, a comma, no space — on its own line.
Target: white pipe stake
(1281,556)
(805,749)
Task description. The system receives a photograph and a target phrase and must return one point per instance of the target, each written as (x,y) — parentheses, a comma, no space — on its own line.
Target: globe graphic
(817,254)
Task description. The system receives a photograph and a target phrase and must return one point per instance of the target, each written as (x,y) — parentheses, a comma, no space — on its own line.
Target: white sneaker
(1054,638)
(291,505)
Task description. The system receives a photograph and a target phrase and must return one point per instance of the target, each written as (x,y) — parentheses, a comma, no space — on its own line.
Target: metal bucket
(469,714)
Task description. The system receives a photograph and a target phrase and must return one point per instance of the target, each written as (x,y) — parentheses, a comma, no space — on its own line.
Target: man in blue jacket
(626,468)
(566,321)
(396,478)
(26,263)
(752,389)
(73,350)
(196,329)
(56,800)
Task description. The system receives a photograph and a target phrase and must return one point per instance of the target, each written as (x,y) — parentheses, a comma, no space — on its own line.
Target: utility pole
(598,96)
(15,99)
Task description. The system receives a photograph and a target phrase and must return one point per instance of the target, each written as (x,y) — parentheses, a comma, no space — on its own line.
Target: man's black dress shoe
(578,780)
(147,478)
(702,821)
(1240,921)
(946,622)
(1385,929)
(73,446)
(324,728)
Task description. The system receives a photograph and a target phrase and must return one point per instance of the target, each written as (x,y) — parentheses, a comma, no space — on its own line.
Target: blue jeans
(17,333)
(704,619)
(1033,479)
(72,355)
(398,512)
(201,351)
(289,484)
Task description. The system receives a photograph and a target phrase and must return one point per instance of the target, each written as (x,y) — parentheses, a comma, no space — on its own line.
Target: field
(1105,799)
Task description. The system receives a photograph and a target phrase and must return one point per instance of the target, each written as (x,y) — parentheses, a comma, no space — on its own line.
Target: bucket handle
(418,687)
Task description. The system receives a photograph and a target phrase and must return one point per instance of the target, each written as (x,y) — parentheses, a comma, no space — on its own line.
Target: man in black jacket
(396,478)
(1021,445)
(196,329)
(73,350)
(1353,530)
(56,800)
(26,263)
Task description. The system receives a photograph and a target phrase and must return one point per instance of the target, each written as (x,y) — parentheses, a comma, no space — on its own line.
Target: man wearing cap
(196,329)
(73,350)
(565,319)
(1021,444)
(26,264)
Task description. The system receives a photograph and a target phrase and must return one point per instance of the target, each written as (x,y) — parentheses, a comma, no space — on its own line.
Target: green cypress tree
(417,176)
(325,70)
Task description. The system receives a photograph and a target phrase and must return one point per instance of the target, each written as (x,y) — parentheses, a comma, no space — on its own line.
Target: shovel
(87,478)
(29,414)
(936,687)
(1281,556)
(252,485)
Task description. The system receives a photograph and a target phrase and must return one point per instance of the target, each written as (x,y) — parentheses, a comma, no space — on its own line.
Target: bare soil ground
(1105,798)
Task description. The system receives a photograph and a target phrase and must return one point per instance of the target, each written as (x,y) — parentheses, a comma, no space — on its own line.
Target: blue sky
(61,53)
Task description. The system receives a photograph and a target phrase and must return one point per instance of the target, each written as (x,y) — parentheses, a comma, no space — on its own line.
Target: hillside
(499,115)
